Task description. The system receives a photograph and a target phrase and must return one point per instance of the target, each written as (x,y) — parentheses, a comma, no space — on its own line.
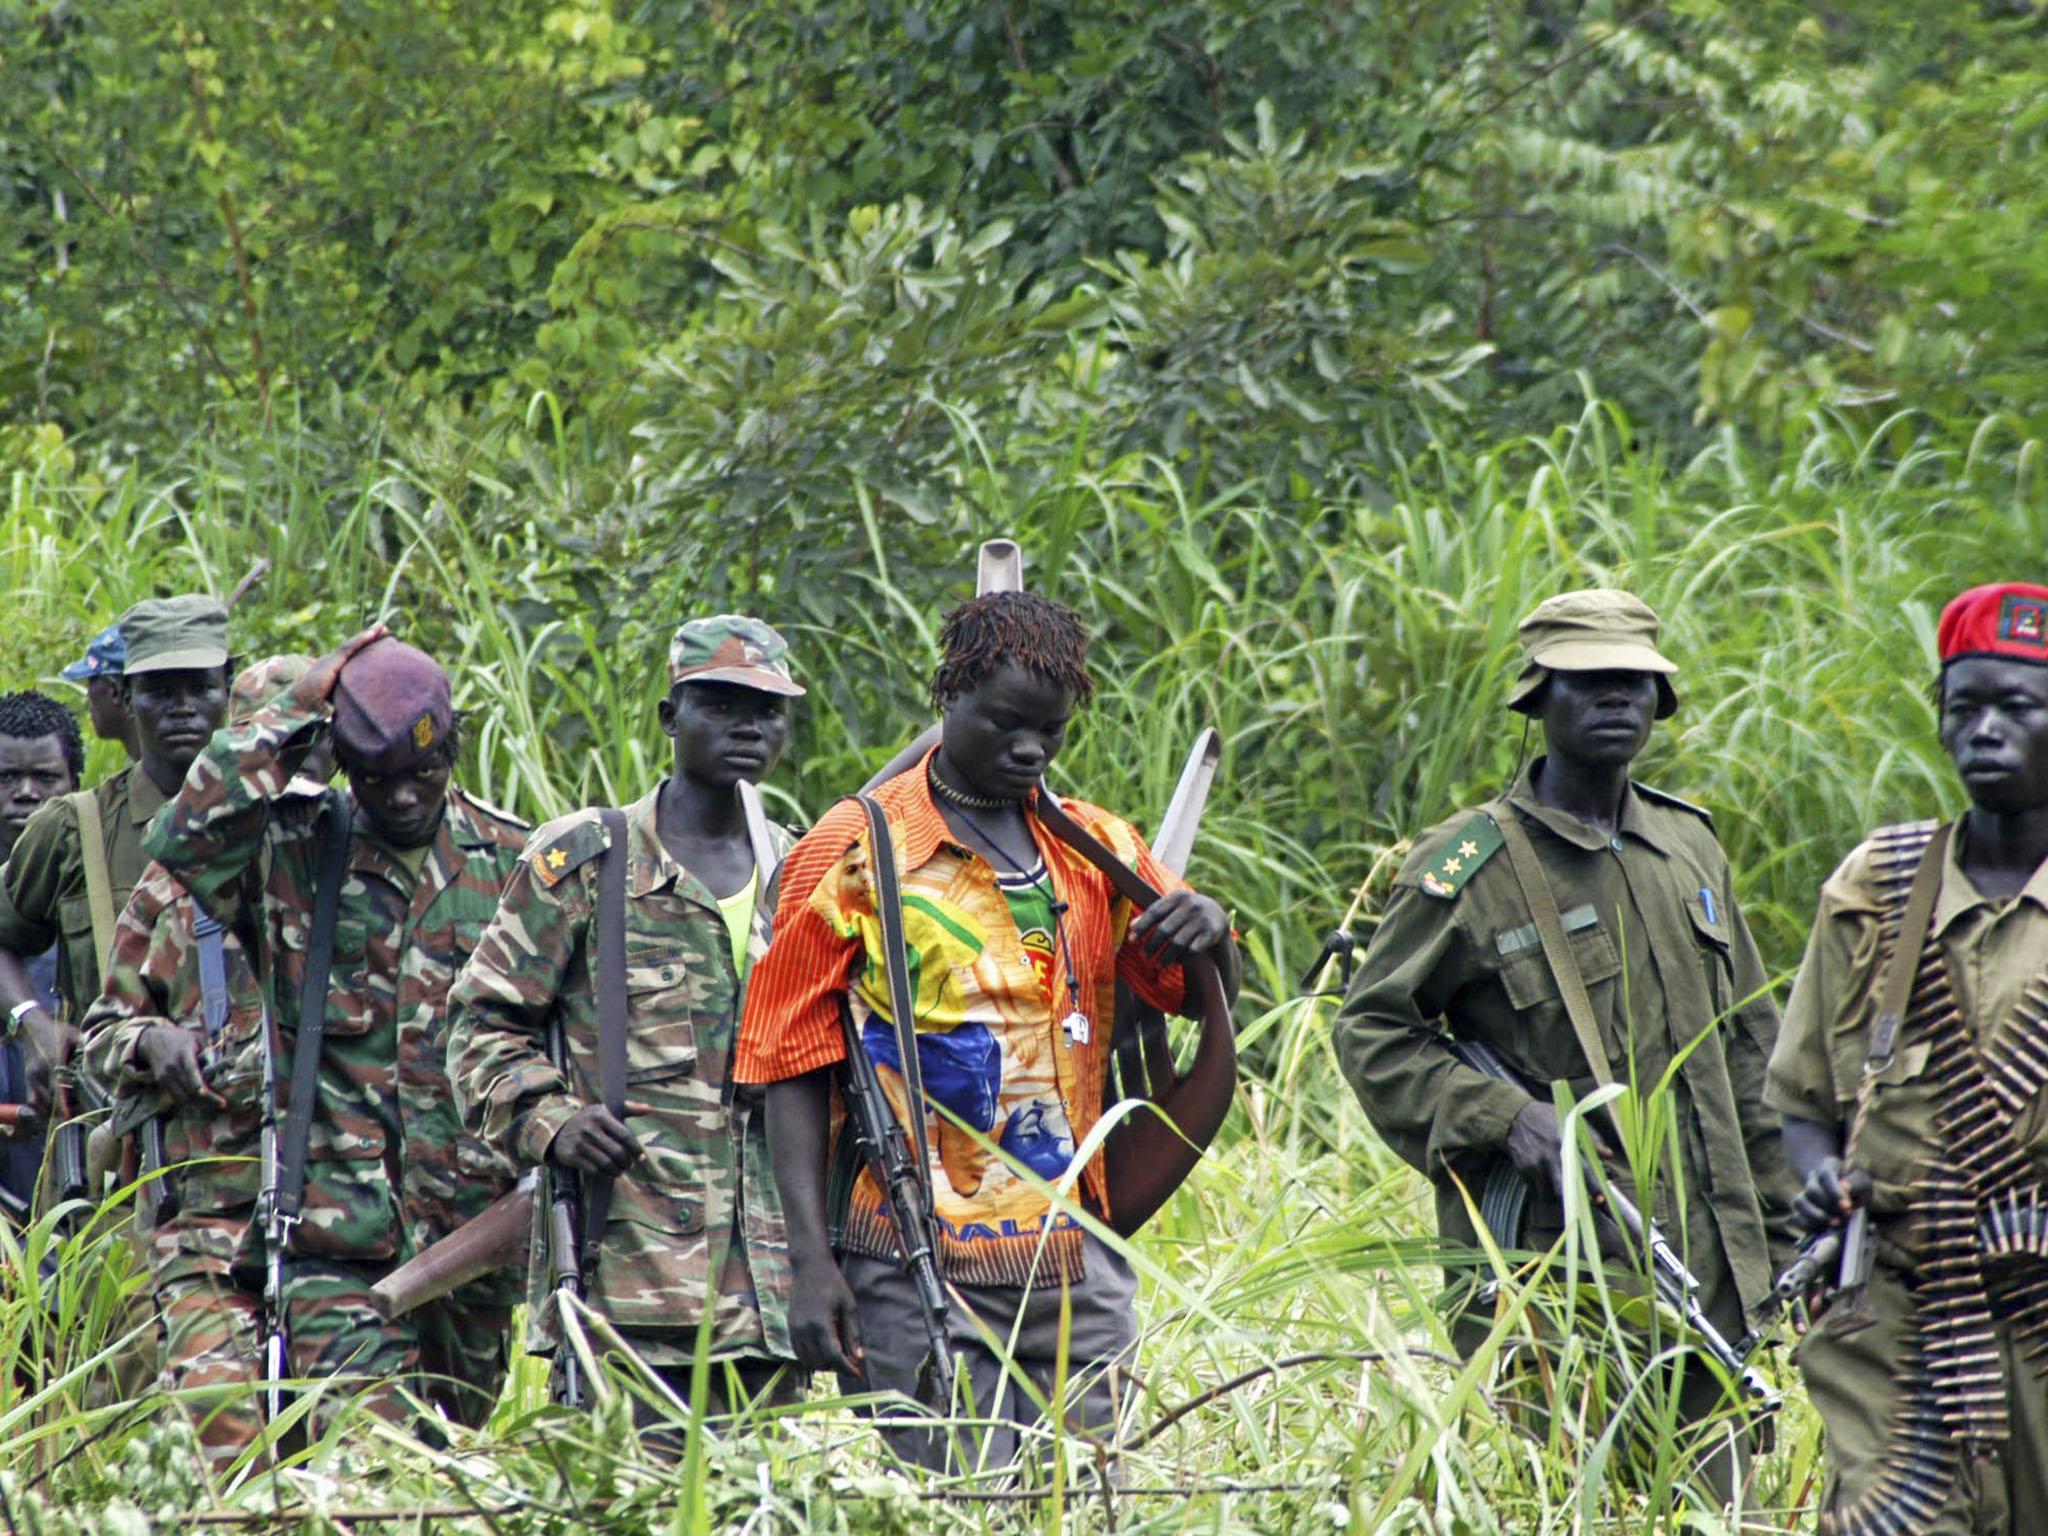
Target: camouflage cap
(731,648)
(391,707)
(106,654)
(175,634)
(1598,629)
(260,682)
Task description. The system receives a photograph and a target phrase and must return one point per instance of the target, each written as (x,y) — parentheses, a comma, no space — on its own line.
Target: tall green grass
(1354,656)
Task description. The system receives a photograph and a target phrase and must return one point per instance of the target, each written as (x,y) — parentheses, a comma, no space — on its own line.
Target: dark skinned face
(32,770)
(175,713)
(1001,735)
(1994,723)
(725,732)
(1600,719)
(404,808)
(107,704)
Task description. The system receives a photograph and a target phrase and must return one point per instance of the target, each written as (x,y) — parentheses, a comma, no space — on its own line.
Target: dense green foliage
(1305,346)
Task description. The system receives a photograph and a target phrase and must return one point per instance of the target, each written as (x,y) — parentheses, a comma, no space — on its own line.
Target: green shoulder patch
(563,845)
(1658,796)
(1476,842)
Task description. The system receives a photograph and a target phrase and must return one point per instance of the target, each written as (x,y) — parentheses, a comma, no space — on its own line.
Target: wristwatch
(17,1013)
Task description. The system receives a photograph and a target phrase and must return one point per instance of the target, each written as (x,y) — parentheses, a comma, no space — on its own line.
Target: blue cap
(107,656)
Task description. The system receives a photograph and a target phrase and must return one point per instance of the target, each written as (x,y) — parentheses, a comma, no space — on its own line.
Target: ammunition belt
(1979,1201)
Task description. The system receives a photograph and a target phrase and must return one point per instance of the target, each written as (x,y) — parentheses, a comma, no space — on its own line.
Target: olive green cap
(1598,629)
(176,634)
(731,648)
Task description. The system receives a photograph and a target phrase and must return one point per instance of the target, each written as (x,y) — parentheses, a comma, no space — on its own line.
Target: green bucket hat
(1595,630)
(731,648)
(176,634)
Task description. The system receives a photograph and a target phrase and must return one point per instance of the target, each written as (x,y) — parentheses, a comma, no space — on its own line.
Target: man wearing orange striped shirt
(1015,945)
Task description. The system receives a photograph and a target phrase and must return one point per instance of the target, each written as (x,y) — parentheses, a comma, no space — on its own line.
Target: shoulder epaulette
(484,807)
(1475,842)
(1665,797)
(564,845)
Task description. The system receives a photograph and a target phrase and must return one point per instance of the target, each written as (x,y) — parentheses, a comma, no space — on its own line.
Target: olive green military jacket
(1669,964)
(1996,952)
(699,1214)
(42,887)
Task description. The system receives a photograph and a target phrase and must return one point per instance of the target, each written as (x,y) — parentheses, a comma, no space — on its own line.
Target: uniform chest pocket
(1525,970)
(661,1034)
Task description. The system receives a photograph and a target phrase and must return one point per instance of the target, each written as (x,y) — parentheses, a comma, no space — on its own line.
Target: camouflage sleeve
(213,830)
(510,1093)
(31,880)
(141,970)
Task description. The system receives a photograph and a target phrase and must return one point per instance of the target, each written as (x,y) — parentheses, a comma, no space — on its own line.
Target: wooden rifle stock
(999,568)
(489,1241)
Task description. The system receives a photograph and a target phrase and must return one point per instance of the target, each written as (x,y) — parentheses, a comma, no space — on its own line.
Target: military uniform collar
(1959,893)
(144,798)
(1638,820)
(650,867)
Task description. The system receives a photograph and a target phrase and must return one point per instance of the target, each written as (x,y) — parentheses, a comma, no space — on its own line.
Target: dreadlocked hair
(1036,633)
(30,716)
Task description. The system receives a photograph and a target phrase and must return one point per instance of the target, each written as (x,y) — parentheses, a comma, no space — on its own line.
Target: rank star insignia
(1452,866)
(549,866)
(557,858)
(1468,849)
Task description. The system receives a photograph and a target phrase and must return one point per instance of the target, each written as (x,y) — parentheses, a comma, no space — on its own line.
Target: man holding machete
(677,1204)
(1016,941)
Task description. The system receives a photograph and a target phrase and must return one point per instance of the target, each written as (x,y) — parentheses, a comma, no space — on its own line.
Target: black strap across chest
(611,1013)
(337,822)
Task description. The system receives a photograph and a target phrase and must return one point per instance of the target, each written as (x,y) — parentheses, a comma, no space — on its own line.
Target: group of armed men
(339,1023)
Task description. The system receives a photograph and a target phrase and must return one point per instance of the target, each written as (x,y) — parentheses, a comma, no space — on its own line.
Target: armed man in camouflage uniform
(694,1212)
(177,1033)
(1648,904)
(389,1169)
(1932,1384)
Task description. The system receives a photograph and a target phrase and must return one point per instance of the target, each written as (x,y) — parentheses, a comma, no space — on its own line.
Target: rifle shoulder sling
(337,823)
(611,1015)
(896,968)
(99,882)
(1557,949)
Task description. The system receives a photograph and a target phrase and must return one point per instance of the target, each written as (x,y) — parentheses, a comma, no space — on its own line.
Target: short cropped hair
(1035,632)
(30,716)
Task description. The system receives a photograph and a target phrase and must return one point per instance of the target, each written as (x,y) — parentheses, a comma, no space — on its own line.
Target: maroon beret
(391,707)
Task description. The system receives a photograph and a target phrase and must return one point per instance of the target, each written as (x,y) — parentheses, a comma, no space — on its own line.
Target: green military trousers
(1850,1378)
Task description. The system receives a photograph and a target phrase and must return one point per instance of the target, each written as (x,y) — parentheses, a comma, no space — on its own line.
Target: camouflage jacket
(702,1202)
(42,886)
(389,1169)
(153,977)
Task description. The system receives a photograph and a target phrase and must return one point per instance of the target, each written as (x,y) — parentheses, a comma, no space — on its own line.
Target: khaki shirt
(1994,951)
(1667,961)
(42,887)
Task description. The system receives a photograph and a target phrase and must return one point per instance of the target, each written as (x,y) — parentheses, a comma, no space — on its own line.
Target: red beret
(391,707)
(2004,619)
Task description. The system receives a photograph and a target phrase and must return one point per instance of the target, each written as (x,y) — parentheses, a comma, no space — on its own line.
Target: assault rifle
(1502,1201)
(565,1237)
(277,1229)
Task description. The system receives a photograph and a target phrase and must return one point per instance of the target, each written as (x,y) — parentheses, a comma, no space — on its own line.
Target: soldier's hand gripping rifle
(1501,1206)
(900,1171)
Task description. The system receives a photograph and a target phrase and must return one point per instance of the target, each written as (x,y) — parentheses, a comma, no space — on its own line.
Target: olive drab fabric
(1995,952)
(43,898)
(1651,917)
(699,1214)
(390,1169)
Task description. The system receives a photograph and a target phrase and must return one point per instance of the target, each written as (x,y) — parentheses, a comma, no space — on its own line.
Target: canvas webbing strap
(1902,965)
(338,822)
(1557,949)
(896,968)
(99,882)
(611,1017)
(213,971)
